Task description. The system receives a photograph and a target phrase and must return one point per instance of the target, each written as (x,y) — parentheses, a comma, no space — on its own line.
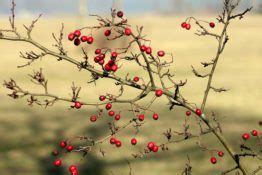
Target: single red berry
(183,24)
(159,92)
(188,26)
(72,168)
(71,36)
(108,106)
(120,14)
(93,118)
(220,153)
(107,67)
(57,162)
(107,33)
(114,68)
(150,145)
(133,141)
(77,33)
(102,56)
(212,24)
(111,62)
(97,59)
(69,148)
(74,173)
(102,97)
(77,42)
(55,153)
(83,38)
(63,144)
(161,53)
(78,105)
(136,79)
(198,112)
(128,31)
(245,136)
(143,48)
(148,50)
(188,113)
(141,117)
(114,54)
(97,51)
(213,160)
(112,140)
(111,113)
(101,62)
(90,40)
(117,117)
(254,133)
(118,143)
(155,148)
(155,116)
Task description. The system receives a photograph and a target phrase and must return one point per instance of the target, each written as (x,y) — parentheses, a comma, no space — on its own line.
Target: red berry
(155,116)
(77,33)
(220,153)
(97,51)
(55,153)
(71,36)
(69,148)
(114,54)
(63,144)
(101,62)
(128,31)
(90,40)
(159,92)
(72,168)
(141,117)
(188,26)
(107,33)
(114,68)
(107,67)
(161,53)
(93,118)
(111,113)
(143,48)
(212,24)
(133,141)
(102,56)
(102,97)
(117,117)
(57,162)
(245,136)
(188,113)
(254,133)
(198,112)
(148,50)
(83,38)
(77,42)
(120,14)
(183,25)
(77,105)
(136,79)
(118,143)
(112,140)
(213,160)
(150,145)
(108,106)
(155,148)
(97,59)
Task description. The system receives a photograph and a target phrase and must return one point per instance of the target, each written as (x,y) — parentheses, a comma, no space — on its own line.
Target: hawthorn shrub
(105,63)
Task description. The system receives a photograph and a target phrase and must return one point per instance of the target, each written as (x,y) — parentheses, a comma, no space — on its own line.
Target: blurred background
(29,134)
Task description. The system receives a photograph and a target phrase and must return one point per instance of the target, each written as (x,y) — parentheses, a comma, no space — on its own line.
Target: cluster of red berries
(100,59)
(116,142)
(58,162)
(213,159)
(77,38)
(198,112)
(187,26)
(152,147)
(148,50)
(246,136)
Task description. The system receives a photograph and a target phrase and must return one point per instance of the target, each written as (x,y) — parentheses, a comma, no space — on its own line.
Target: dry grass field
(28,134)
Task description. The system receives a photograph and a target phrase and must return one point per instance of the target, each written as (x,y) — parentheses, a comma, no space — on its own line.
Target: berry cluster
(246,136)
(77,38)
(186,25)
(58,162)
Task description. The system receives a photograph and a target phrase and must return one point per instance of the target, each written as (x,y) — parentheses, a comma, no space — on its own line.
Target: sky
(52,7)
